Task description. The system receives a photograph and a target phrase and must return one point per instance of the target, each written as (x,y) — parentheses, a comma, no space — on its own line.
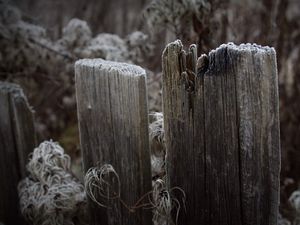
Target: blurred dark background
(40,41)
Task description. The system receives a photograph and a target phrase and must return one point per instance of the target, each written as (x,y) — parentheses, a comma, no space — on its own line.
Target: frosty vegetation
(295,203)
(283,221)
(51,195)
(172,13)
(44,65)
(98,184)
(157,147)
(34,48)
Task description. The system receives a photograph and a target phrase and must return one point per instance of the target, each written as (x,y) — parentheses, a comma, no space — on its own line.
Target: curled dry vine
(102,185)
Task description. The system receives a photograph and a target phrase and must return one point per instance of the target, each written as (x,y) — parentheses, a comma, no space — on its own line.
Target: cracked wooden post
(113,124)
(221,125)
(17,140)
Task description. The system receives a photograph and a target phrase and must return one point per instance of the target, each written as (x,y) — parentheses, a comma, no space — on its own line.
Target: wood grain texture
(17,140)
(258,106)
(222,139)
(113,122)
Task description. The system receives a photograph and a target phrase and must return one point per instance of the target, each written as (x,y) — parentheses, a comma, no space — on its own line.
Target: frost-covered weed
(27,45)
(172,13)
(157,147)
(154,85)
(50,194)
(107,46)
(29,57)
(295,203)
(77,33)
(283,221)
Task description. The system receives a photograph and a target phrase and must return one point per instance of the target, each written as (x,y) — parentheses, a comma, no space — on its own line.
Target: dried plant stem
(160,200)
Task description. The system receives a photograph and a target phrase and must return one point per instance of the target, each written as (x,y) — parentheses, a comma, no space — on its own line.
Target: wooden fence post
(17,140)
(222,133)
(113,124)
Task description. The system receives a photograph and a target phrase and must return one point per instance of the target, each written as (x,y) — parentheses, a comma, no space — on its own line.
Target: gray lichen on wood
(222,139)
(17,140)
(113,123)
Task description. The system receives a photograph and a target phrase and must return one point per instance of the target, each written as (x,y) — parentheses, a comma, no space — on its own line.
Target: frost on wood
(22,121)
(17,139)
(221,125)
(103,66)
(51,195)
(113,123)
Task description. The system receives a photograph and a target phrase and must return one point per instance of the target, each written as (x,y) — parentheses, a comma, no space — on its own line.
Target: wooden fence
(113,124)
(221,134)
(17,140)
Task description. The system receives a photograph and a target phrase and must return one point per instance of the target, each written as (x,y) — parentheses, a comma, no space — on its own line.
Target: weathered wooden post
(17,140)
(222,133)
(113,124)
